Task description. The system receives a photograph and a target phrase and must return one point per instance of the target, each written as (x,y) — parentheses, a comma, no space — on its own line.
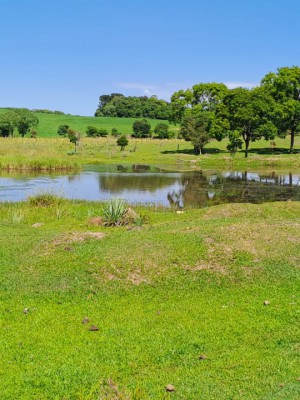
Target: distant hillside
(49,122)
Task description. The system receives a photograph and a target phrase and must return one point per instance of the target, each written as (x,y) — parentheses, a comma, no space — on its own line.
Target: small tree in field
(74,137)
(122,141)
(63,130)
(33,133)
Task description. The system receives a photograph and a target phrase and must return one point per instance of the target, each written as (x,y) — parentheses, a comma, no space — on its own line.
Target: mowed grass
(57,154)
(182,286)
(49,123)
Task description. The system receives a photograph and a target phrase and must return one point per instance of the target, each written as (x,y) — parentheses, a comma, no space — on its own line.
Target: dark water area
(150,185)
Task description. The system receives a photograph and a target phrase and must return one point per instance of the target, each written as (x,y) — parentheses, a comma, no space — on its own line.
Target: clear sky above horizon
(64,54)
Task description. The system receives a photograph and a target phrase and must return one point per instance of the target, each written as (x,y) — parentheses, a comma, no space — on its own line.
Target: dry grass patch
(76,237)
(209,266)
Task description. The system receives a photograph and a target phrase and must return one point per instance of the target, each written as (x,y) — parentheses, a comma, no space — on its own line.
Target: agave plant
(113,212)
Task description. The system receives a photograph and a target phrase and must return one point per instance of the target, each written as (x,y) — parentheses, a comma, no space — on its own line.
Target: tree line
(212,111)
(118,105)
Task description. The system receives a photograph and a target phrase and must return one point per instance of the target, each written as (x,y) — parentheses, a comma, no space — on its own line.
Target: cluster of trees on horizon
(118,105)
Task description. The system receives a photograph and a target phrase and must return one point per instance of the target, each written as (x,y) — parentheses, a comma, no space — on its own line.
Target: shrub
(113,212)
(116,213)
(102,132)
(63,130)
(162,131)
(33,133)
(141,129)
(91,131)
(114,132)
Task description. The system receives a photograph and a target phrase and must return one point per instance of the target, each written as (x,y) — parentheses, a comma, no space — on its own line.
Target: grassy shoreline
(56,154)
(181,286)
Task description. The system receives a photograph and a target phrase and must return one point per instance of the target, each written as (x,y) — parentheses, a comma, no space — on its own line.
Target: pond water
(150,185)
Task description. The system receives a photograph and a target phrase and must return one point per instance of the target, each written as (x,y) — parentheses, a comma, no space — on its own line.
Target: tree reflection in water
(143,184)
(204,190)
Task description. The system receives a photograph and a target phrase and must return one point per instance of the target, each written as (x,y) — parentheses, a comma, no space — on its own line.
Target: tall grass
(52,154)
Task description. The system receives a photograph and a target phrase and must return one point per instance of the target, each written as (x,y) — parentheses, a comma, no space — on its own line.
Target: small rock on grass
(266,302)
(37,225)
(85,320)
(26,311)
(93,328)
(202,357)
(170,388)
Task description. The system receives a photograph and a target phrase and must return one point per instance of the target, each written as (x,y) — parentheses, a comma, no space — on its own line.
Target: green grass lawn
(182,286)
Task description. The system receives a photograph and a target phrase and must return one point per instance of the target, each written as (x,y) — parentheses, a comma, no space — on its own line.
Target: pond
(150,185)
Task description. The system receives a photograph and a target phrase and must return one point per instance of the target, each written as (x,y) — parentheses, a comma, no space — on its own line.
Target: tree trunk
(246,147)
(292,140)
(197,150)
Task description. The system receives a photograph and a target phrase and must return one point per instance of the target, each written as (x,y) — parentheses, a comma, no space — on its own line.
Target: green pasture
(207,301)
(49,123)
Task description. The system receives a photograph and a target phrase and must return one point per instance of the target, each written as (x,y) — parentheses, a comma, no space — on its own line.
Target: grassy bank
(56,154)
(181,286)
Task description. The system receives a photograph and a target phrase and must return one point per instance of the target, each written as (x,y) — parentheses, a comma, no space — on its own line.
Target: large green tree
(26,119)
(249,114)
(8,122)
(208,95)
(197,128)
(180,102)
(284,86)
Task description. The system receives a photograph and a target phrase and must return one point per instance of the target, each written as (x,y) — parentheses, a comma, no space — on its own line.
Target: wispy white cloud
(162,91)
(165,90)
(248,85)
(135,86)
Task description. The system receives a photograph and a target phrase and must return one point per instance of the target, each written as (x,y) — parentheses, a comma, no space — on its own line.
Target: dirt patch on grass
(76,237)
(136,278)
(209,266)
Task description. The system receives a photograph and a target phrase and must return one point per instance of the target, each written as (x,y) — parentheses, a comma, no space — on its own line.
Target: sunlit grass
(182,286)
(54,154)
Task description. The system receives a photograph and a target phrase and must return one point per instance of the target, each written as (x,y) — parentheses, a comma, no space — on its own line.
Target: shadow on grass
(191,151)
(261,151)
(276,151)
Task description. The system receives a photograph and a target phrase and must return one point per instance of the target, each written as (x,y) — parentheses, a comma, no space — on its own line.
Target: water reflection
(202,190)
(143,184)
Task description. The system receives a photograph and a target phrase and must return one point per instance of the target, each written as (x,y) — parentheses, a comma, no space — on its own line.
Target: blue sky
(64,54)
